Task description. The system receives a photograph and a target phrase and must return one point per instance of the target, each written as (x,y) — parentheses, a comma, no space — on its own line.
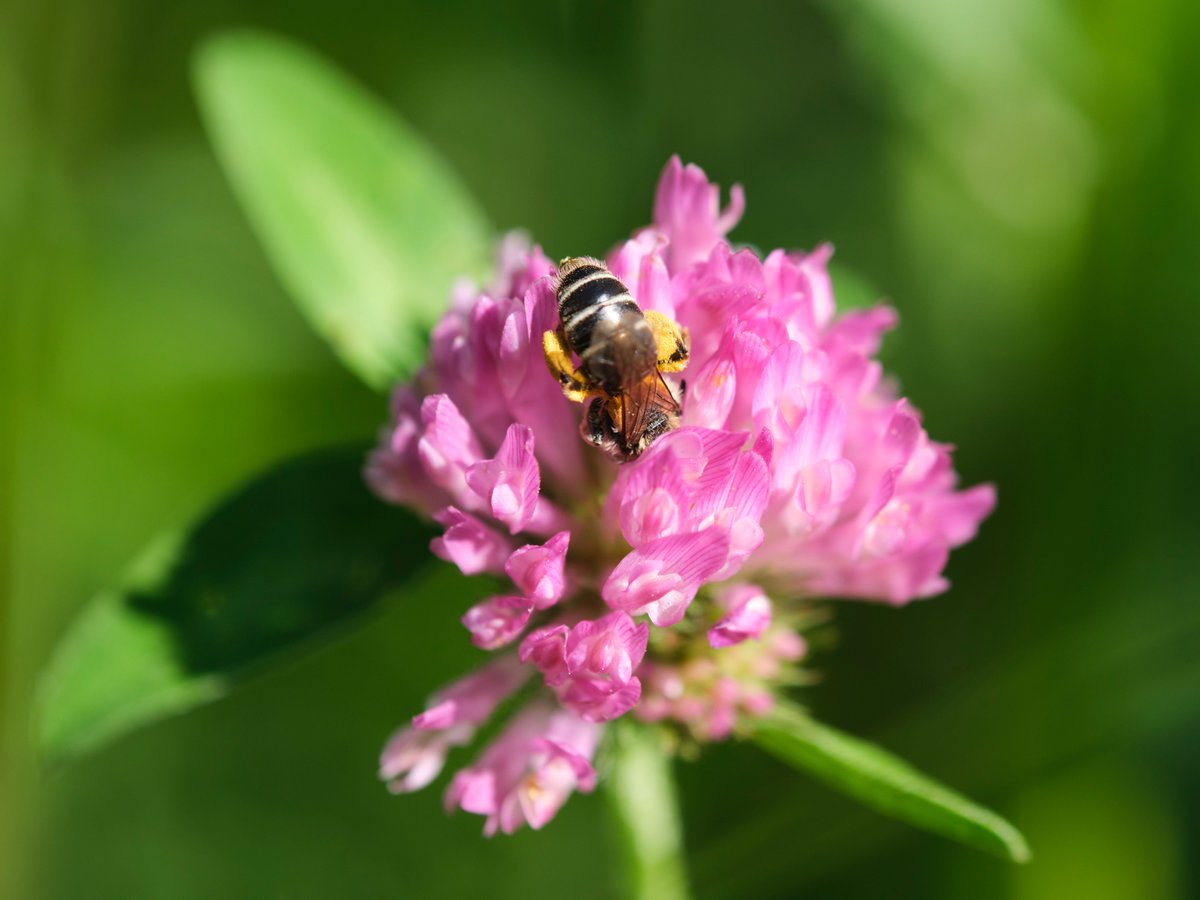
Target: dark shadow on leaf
(303,548)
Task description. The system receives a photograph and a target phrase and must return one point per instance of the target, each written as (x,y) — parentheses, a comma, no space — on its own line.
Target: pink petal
(514,350)
(596,703)
(611,646)
(776,404)
(539,402)
(687,210)
(640,266)
(529,771)
(654,497)
(510,481)
(414,755)
(823,487)
(860,331)
(814,266)
(447,447)
(497,621)
(748,617)
(545,648)
(538,570)
(745,489)
(661,578)
(472,699)
(412,759)
(959,514)
(394,469)
(518,265)
(469,544)
(712,390)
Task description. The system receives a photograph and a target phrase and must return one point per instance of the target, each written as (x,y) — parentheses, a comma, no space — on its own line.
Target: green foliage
(365,224)
(368,228)
(946,151)
(884,782)
(290,559)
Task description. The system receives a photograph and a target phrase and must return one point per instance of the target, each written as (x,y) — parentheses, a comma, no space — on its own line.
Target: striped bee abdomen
(603,325)
(587,293)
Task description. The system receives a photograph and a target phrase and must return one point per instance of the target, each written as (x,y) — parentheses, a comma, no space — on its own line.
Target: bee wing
(651,392)
(633,411)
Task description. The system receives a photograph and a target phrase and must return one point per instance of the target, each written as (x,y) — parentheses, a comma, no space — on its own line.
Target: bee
(623,352)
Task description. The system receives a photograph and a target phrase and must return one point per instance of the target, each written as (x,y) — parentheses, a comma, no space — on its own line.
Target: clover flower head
(673,587)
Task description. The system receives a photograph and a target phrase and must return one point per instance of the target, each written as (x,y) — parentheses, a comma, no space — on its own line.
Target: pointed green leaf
(365,224)
(289,560)
(884,782)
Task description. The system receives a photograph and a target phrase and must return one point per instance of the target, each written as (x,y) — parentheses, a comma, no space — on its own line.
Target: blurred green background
(1021,178)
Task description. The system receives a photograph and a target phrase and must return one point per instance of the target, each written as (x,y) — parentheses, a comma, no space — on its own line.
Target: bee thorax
(621,352)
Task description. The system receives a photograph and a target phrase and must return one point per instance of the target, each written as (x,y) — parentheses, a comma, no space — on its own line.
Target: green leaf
(884,782)
(365,224)
(292,558)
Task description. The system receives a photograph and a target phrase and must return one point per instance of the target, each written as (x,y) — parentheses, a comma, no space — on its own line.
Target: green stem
(641,792)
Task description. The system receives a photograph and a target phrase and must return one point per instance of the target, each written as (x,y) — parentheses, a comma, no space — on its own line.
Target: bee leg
(597,427)
(594,427)
(558,360)
(672,342)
